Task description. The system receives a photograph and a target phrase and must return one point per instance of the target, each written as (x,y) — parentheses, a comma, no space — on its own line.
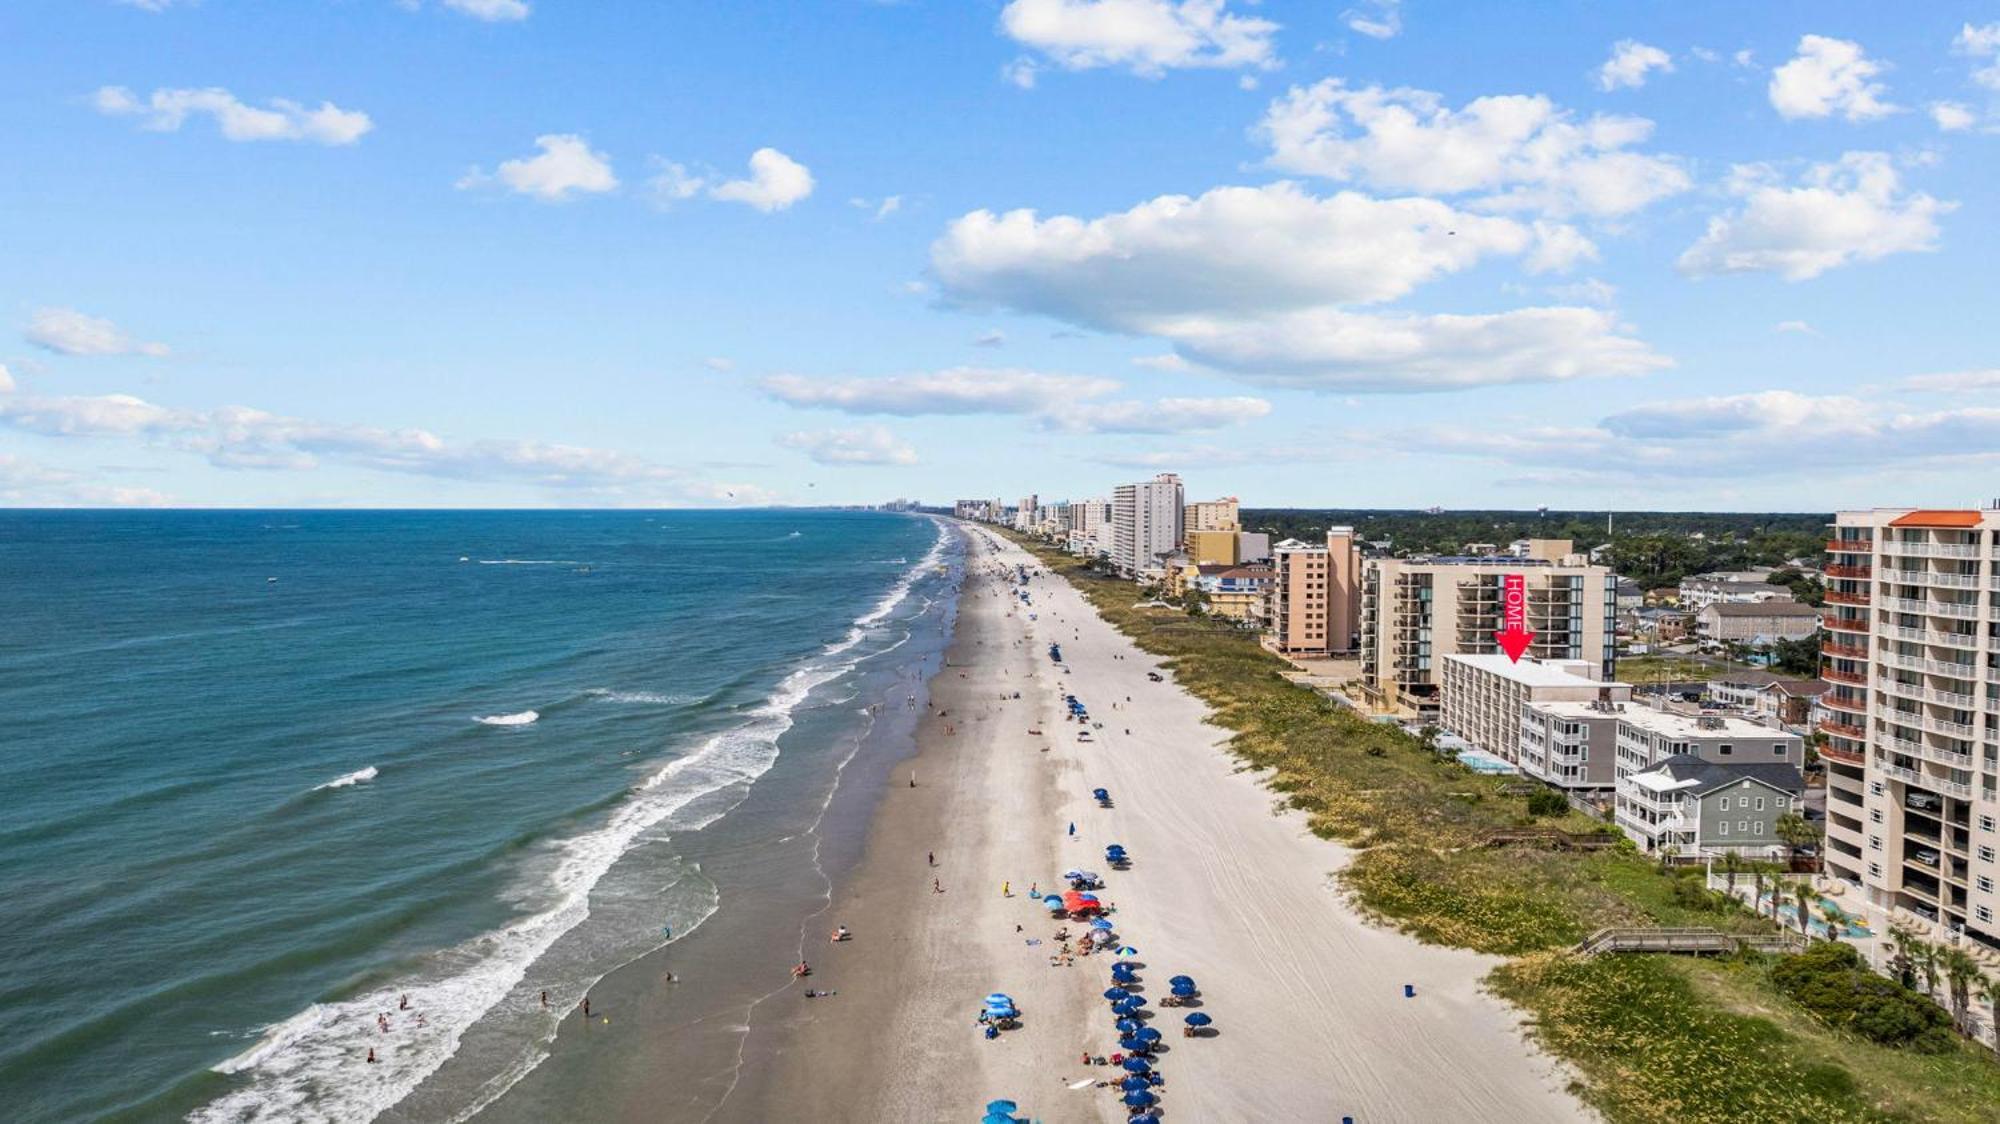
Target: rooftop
(1763,609)
(1685,772)
(1529,672)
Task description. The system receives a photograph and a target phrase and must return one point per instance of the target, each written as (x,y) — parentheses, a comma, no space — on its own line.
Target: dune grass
(1652,1039)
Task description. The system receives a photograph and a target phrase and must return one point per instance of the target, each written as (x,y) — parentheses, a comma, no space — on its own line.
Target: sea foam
(524,718)
(358,776)
(304,1068)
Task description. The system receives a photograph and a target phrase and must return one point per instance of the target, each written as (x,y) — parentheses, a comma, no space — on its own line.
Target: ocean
(269,776)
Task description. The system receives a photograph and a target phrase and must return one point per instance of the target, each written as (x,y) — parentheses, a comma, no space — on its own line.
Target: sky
(591,253)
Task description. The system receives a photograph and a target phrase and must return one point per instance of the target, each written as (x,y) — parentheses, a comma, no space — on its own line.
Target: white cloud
(869,445)
(1954,382)
(165,110)
(6,379)
(883,208)
(1952,116)
(239,437)
(1166,415)
(719,363)
(1981,43)
(66,331)
(1146,37)
(1745,59)
(492,11)
(776,182)
(1166,362)
(1629,64)
(991,338)
(1377,19)
(1826,77)
(1799,327)
(1514,152)
(25,483)
(956,390)
(1590,290)
(1853,210)
(566,168)
(1732,434)
(1253,280)
(1706,54)
(1021,72)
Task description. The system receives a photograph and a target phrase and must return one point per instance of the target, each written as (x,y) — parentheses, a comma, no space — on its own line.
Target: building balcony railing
(1844,624)
(1957,669)
(1951,698)
(1954,580)
(1854,677)
(1907,663)
(1905,745)
(1947,757)
(1969,641)
(1841,729)
(1898,773)
(1851,706)
(1846,571)
(1950,729)
(1911,577)
(1835,648)
(1907,604)
(1832,751)
(1930,549)
(1836,597)
(1850,546)
(1966,609)
(1912,691)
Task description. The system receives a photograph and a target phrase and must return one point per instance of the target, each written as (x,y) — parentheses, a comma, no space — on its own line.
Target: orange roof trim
(1937,519)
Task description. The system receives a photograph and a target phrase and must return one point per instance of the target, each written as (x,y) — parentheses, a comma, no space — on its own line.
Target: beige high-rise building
(1416,611)
(1316,594)
(1213,515)
(1912,650)
(1146,522)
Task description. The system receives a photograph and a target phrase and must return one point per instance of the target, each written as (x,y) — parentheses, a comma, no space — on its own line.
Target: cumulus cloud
(1377,19)
(1852,210)
(1829,76)
(1629,64)
(240,437)
(1512,152)
(882,208)
(166,110)
(868,445)
(565,169)
(1952,116)
(1981,42)
(1253,280)
(776,181)
(6,379)
(956,390)
(1145,37)
(1797,326)
(66,331)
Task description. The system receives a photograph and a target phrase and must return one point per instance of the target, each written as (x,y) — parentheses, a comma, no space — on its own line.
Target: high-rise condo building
(1316,594)
(1213,515)
(1416,611)
(1912,650)
(1146,522)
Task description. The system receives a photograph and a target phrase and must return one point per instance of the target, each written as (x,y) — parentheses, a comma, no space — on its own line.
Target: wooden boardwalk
(1688,941)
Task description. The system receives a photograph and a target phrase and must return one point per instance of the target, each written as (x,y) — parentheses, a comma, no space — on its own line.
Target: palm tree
(1730,865)
(1960,970)
(1904,962)
(1927,963)
(1802,898)
(1757,902)
(1796,831)
(1989,991)
(1835,920)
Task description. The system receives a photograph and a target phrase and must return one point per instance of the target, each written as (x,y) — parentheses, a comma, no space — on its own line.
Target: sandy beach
(1310,1015)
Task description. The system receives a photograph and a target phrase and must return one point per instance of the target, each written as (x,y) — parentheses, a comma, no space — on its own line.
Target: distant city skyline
(1389,254)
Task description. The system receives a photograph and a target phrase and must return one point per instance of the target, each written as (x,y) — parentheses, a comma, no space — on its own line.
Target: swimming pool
(1851,928)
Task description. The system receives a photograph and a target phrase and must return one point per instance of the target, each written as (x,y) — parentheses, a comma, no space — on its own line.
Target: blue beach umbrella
(1123,975)
(1131,1046)
(1137,1001)
(1127,1026)
(1188,980)
(1197,1019)
(1002,1106)
(1124,965)
(1183,991)
(1116,993)
(1125,1006)
(1128,950)
(1000,1118)
(1146,1034)
(1054,905)
(1134,1083)
(1001,998)
(1101,923)
(1139,1098)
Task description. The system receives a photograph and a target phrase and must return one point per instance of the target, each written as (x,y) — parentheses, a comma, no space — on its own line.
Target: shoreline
(1225,887)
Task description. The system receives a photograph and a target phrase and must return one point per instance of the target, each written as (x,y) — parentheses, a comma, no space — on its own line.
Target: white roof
(1689,726)
(1529,672)
(1659,781)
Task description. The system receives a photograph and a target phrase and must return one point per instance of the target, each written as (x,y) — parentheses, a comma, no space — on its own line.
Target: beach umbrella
(1131,1046)
(1127,1026)
(1054,904)
(1072,875)
(1127,1005)
(1000,1118)
(1197,1019)
(1183,991)
(1139,1098)
(1146,1034)
(1125,964)
(1128,950)
(1002,1106)
(1001,998)
(1124,978)
(1137,1001)
(1134,1083)
(1116,993)
(1100,923)
(1188,980)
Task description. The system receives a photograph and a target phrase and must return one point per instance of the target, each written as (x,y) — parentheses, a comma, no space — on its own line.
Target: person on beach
(1006,889)
(930,858)
(936,886)
(545,1000)
(371,1055)
(586,1006)
(404,1004)
(1072,827)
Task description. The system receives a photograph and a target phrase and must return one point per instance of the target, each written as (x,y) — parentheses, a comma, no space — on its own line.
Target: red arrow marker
(1514,636)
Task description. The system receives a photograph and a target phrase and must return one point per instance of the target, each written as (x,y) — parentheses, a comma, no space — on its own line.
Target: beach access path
(1310,1017)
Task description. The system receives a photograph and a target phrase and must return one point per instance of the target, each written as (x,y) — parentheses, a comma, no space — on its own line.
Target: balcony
(1955,581)
(1850,546)
(1898,773)
(1854,677)
(1907,604)
(1838,650)
(1950,729)
(1965,640)
(1962,609)
(1930,549)
(1844,624)
(1908,577)
(1947,757)
(1851,706)
(1957,669)
(1836,597)
(1843,730)
(1951,698)
(1907,663)
(1833,752)
(1842,571)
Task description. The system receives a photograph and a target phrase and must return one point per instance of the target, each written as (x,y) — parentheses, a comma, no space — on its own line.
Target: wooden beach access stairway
(1689,941)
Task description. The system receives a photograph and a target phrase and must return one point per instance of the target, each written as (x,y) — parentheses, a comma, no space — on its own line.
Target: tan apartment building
(1213,515)
(1214,548)
(1742,622)
(1146,520)
(1912,650)
(1416,611)
(1481,697)
(1240,593)
(1316,594)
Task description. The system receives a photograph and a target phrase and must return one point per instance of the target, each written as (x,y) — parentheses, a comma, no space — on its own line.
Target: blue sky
(546,252)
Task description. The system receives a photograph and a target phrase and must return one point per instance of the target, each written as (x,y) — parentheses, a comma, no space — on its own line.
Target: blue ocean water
(266,774)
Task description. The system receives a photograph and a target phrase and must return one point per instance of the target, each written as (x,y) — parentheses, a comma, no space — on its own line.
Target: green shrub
(1547,802)
(1833,982)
